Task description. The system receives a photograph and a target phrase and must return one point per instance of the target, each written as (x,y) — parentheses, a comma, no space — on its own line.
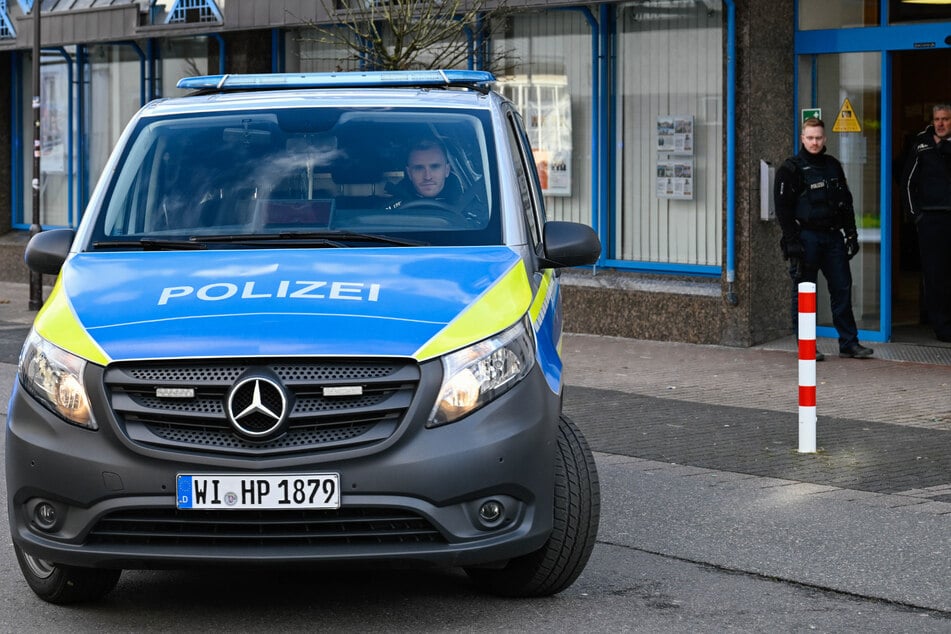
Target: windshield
(420,176)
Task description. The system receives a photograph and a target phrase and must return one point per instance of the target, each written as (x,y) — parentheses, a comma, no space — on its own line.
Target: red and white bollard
(807,367)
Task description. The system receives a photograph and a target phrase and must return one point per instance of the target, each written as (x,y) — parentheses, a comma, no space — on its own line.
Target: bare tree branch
(409,34)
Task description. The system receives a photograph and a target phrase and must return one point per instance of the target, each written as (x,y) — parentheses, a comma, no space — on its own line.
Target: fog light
(44,515)
(491,511)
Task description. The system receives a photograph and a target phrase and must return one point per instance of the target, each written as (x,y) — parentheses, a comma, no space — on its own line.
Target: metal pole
(36,279)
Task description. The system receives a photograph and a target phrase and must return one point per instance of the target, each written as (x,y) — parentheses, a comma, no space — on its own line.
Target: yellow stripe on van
(499,307)
(542,297)
(57,323)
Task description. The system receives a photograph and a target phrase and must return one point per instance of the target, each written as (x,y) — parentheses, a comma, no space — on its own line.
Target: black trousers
(825,251)
(934,242)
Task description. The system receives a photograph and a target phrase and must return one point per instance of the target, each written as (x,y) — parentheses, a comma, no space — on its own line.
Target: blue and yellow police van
(306,319)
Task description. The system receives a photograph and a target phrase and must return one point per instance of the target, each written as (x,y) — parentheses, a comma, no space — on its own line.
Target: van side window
(526,176)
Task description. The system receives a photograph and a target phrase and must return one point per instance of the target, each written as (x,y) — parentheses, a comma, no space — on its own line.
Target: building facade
(658,122)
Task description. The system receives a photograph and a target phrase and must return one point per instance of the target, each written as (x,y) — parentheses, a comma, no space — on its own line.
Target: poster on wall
(675,178)
(545,105)
(675,167)
(675,134)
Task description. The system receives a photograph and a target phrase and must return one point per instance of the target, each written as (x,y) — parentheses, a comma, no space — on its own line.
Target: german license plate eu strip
(258,491)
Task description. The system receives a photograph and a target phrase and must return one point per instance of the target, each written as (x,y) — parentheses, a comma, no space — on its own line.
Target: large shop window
(548,76)
(669,104)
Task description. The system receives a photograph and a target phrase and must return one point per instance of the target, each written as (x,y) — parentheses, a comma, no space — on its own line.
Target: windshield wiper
(334,239)
(151,244)
(330,238)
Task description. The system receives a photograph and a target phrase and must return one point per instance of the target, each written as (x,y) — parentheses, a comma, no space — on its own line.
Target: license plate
(259,491)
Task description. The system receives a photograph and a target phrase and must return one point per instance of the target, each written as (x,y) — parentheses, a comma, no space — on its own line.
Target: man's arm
(786,191)
(909,169)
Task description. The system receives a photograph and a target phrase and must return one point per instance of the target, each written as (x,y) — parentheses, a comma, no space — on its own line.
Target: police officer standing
(926,194)
(814,207)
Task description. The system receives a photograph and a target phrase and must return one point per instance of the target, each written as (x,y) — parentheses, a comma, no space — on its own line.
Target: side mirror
(569,244)
(47,250)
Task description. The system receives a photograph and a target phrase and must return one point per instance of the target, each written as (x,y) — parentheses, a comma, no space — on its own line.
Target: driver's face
(427,171)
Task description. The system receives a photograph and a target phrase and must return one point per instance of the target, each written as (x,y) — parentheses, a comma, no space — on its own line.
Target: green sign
(811,113)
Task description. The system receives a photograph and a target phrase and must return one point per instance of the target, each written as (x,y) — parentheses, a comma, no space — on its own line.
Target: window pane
(853,132)
(550,83)
(836,14)
(669,180)
(282,171)
(182,57)
(55,126)
(113,96)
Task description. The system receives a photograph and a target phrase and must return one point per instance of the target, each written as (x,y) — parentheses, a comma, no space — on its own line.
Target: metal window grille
(184,11)
(6,27)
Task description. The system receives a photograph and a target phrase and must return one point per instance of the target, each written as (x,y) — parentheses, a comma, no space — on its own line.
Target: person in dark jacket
(814,208)
(428,176)
(926,195)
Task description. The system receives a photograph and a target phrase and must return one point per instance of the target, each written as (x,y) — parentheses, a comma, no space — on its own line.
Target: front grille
(172,527)
(316,421)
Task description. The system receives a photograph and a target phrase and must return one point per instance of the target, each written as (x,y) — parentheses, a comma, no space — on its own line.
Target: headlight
(55,378)
(482,372)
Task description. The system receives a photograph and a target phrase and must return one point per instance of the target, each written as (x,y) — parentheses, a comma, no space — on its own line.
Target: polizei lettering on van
(285,289)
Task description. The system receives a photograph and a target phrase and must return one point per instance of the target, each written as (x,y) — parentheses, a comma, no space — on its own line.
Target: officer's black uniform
(468,203)
(926,196)
(814,208)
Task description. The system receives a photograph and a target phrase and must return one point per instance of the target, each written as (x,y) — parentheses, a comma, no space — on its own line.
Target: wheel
(557,564)
(61,584)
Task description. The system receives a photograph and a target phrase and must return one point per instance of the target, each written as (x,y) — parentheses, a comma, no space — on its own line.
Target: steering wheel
(434,207)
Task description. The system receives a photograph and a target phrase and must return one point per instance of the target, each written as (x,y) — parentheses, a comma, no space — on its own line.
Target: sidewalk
(883,426)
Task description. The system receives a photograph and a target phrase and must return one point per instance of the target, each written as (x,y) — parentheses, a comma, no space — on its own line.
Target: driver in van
(428,176)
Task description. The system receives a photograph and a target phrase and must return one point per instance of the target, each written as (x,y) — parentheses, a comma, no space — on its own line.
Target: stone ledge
(638,307)
(619,280)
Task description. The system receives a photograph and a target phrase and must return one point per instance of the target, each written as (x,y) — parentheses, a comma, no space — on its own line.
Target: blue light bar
(376,79)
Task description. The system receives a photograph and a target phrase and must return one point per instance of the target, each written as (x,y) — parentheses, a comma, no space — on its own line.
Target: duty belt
(819,226)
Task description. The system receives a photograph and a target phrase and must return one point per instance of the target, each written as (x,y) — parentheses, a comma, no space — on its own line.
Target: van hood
(411,302)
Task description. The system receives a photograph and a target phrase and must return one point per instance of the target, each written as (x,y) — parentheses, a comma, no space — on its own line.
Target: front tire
(557,564)
(61,584)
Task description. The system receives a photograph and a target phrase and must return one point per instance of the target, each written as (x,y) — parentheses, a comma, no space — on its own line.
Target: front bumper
(413,499)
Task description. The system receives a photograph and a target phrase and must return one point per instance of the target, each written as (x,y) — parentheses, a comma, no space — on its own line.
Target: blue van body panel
(264,302)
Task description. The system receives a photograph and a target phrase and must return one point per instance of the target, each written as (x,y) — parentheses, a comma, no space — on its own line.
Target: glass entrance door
(915,91)
(889,60)
(847,88)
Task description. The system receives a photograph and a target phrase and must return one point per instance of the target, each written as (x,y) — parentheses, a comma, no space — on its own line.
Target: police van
(307,319)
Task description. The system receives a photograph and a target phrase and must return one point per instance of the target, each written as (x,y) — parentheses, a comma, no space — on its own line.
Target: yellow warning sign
(846,121)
